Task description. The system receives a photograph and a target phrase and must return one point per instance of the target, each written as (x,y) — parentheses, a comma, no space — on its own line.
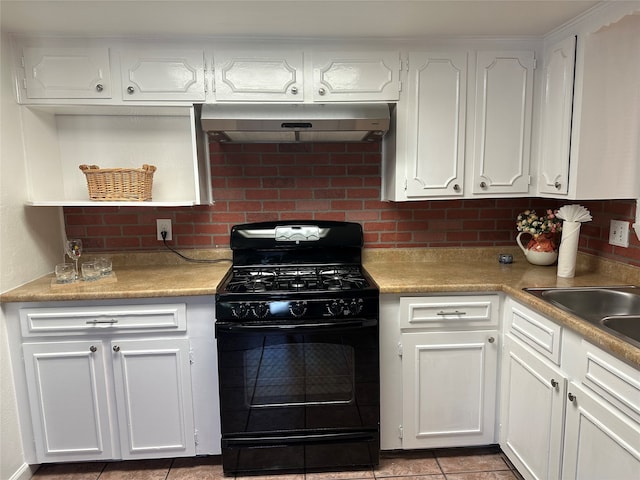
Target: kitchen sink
(613,309)
(629,326)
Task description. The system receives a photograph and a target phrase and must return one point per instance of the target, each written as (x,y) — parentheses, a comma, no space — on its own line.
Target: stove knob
(335,307)
(355,306)
(298,309)
(241,310)
(261,310)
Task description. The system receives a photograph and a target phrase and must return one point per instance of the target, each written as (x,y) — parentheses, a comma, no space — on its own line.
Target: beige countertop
(396,271)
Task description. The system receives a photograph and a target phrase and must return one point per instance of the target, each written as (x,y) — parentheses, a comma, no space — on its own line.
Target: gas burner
(296,279)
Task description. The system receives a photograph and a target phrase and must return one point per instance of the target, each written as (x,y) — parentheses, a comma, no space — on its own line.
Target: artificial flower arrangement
(542,228)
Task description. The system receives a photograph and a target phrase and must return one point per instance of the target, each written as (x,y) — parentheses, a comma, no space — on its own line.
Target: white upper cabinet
(245,75)
(589,148)
(434,124)
(162,74)
(502,123)
(354,77)
(66,73)
(281,75)
(557,103)
(463,127)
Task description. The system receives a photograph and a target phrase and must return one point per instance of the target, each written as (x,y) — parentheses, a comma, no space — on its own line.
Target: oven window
(299,374)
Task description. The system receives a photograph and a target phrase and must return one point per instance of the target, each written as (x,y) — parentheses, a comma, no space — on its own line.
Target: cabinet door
(68,399)
(449,388)
(532,409)
(556,118)
(67,72)
(435,124)
(502,126)
(599,443)
(353,77)
(162,75)
(244,76)
(153,394)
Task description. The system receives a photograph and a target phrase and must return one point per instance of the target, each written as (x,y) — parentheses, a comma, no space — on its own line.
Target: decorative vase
(541,249)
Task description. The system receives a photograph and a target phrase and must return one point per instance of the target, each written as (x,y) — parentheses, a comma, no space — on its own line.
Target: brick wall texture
(341,181)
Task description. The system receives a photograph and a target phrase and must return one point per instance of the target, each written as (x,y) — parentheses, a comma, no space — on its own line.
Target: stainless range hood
(286,123)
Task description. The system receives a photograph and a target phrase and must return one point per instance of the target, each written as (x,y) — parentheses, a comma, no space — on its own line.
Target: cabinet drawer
(449,311)
(612,380)
(129,318)
(543,335)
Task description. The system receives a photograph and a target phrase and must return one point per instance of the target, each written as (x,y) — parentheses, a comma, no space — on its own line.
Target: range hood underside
(267,123)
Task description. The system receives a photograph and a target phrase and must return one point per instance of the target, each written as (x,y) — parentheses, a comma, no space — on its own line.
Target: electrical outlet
(163,225)
(619,233)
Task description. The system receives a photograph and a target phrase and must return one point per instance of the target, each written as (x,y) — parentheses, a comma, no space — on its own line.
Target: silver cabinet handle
(93,349)
(491,339)
(99,87)
(557,185)
(130,90)
(294,90)
(456,312)
(571,397)
(554,384)
(321,91)
(116,348)
(483,184)
(111,321)
(456,187)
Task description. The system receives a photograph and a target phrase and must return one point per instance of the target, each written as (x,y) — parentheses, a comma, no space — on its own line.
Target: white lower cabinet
(533,401)
(67,383)
(599,442)
(70,385)
(115,380)
(574,418)
(439,362)
(449,388)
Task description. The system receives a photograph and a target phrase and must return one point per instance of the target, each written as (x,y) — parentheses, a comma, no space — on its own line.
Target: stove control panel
(320,308)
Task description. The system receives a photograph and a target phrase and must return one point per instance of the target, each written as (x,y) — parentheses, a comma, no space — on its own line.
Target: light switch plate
(619,233)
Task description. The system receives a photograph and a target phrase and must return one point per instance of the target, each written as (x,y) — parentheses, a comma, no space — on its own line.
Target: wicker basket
(109,184)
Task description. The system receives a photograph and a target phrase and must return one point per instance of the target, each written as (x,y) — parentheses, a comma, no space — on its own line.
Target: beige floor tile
(346,475)
(458,463)
(199,468)
(286,476)
(501,475)
(407,466)
(69,471)
(137,470)
(417,477)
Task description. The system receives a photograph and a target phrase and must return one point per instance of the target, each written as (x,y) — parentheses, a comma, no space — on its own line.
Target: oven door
(299,395)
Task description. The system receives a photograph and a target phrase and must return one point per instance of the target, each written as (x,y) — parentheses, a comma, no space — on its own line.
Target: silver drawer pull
(108,322)
(456,312)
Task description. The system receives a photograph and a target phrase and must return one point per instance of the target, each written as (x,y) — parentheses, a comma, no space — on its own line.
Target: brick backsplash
(334,181)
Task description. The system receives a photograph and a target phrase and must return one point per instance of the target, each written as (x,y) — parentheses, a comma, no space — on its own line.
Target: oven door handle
(307,438)
(227,327)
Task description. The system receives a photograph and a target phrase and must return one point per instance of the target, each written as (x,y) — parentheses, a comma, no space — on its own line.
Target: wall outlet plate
(619,233)
(163,225)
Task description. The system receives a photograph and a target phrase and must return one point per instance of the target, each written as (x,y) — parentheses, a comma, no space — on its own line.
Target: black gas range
(297,337)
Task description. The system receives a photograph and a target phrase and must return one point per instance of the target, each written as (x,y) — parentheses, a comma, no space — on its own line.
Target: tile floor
(449,464)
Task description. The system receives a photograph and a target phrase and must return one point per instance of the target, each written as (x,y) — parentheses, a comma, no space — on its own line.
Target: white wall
(30,245)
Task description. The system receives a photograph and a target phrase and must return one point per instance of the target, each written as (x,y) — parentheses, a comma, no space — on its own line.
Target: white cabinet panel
(435,124)
(503,112)
(247,76)
(449,388)
(162,75)
(533,399)
(358,76)
(153,393)
(556,117)
(66,72)
(599,443)
(68,398)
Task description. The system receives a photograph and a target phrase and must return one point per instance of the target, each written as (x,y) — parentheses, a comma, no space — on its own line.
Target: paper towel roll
(568,249)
